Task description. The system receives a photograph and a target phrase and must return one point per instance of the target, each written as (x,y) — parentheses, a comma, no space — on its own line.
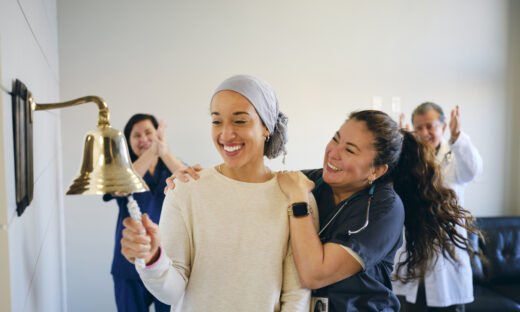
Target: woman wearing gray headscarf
(222,243)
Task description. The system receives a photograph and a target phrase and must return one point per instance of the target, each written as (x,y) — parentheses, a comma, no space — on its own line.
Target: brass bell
(106,166)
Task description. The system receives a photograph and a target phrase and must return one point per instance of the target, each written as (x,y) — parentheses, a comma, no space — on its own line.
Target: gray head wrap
(261,95)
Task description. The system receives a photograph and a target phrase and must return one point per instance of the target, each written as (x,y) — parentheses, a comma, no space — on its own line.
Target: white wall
(512,194)
(33,275)
(323,59)
(515,99)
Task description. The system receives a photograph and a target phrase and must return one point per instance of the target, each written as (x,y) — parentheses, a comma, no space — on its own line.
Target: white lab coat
(448,283)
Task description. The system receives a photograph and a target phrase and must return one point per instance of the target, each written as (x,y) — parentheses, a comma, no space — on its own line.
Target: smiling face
(238,132)
(347,166)
(141,136)
(429,128)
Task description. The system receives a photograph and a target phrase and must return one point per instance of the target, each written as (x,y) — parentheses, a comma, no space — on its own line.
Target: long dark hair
(432,211)
(128,129)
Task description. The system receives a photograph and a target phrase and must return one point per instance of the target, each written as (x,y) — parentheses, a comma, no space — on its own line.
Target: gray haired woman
(222,242)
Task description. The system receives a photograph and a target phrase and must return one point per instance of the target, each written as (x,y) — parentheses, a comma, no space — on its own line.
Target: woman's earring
(267,138)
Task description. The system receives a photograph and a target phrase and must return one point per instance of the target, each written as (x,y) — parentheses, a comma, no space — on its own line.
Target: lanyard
(370,196)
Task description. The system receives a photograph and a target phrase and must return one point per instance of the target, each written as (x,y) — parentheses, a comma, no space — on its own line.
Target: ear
(266,132)
(379,171)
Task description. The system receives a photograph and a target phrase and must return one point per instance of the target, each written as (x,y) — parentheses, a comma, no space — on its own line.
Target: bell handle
(135,213)
(103,115)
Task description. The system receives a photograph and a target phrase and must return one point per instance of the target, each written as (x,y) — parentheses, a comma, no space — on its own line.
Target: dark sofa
(496,280)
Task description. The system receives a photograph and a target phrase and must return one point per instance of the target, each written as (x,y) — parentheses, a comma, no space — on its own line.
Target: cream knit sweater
(225,248)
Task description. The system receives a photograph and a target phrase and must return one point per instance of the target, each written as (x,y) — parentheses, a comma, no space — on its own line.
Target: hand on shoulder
(182,175)
(295,185)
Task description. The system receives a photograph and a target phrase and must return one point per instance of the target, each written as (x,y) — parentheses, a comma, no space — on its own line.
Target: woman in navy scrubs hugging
(375,177)
(154,162)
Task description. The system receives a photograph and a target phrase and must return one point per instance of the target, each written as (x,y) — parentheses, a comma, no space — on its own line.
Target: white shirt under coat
(448,283)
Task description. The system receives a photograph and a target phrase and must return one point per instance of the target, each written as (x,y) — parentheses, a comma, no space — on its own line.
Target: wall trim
(5,276)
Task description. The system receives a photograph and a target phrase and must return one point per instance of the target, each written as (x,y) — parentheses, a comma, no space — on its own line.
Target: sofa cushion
(512,291)
(488,300)
(501,248)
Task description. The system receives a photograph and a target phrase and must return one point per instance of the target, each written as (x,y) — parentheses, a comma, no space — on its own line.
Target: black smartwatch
(300,209)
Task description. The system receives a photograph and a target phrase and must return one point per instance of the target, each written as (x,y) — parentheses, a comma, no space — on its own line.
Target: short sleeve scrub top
(376,244)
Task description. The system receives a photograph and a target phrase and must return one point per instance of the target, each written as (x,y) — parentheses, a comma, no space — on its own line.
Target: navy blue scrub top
(149,202)
(369,289)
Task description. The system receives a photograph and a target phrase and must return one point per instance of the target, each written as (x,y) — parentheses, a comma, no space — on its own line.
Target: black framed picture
(23,145)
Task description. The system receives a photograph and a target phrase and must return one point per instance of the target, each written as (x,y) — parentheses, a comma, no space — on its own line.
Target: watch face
(300,209)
